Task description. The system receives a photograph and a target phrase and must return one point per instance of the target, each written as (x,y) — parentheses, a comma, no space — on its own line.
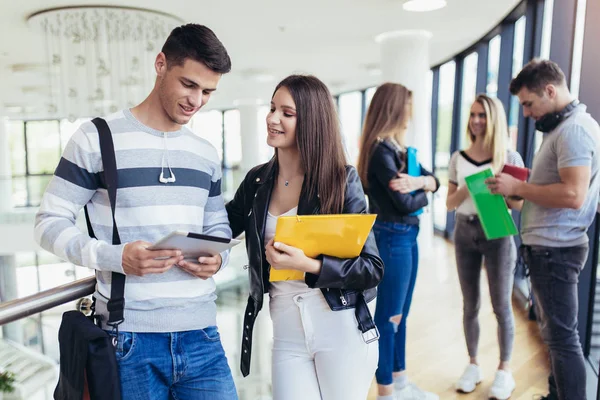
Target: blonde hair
(388,114)
(496,136)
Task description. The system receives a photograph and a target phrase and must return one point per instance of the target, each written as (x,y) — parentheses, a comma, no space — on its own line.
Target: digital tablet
(194,245)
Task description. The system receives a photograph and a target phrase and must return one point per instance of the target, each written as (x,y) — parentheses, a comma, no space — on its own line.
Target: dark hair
(319,141)
(199,43)
(536,75)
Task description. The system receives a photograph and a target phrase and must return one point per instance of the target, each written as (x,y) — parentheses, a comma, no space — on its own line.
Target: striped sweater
(146,210)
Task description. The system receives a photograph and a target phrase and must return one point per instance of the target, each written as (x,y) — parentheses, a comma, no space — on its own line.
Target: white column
(5,170)
(405,60)
(253,138)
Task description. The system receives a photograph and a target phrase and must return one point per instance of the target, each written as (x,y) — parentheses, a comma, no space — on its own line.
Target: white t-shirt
(287,288)
(461,166)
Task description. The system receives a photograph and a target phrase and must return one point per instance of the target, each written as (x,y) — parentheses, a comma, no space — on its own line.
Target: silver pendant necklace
(287,183)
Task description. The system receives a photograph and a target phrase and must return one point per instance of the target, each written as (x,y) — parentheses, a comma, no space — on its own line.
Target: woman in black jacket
(319,350)
(397,199)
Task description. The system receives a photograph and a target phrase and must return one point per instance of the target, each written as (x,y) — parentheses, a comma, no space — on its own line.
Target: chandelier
(100,59)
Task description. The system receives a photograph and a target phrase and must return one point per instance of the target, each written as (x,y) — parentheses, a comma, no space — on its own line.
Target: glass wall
(493,66)
(266,151)
(209,126)
(469,87)
(518,49)
(35,149)
(350,113)
(369,95)
(444,137)
(233,138)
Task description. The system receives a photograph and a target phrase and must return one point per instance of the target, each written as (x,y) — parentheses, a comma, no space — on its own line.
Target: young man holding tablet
(168,179)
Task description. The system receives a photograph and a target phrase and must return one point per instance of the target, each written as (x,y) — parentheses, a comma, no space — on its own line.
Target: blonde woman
(487,132)
(395,197)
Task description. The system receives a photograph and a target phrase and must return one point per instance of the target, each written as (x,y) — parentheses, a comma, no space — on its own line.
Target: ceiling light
(423,5)
(99,59)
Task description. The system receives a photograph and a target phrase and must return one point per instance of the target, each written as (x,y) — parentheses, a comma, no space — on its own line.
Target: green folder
(493,212)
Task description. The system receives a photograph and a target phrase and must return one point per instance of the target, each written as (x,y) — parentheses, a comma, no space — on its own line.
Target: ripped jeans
(398,249)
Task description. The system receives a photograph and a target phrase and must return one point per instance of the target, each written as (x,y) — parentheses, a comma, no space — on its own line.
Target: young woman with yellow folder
(396,197)
(324,336)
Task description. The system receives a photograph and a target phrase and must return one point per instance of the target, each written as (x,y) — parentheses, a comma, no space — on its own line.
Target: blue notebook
(413,168)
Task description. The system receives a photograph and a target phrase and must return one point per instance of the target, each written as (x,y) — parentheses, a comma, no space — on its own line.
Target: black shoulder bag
(88,365)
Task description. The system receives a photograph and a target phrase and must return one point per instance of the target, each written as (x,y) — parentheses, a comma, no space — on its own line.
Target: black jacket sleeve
(360,273)
(383,168)
(235,210)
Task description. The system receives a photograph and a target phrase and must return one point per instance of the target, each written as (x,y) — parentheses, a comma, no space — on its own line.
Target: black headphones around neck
(551,120)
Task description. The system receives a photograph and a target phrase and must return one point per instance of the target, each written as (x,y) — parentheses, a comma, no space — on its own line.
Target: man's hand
(503,184)
(138,260)
(406,183)
(204,268)
(282,256)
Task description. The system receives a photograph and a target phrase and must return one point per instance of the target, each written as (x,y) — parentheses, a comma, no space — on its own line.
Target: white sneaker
(412,392)
(503,386)
(469,379)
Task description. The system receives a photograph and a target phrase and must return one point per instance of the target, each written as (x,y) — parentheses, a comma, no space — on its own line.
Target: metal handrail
(21,308)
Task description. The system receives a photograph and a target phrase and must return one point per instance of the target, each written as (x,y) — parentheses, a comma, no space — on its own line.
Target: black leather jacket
(345,283)
(391,206)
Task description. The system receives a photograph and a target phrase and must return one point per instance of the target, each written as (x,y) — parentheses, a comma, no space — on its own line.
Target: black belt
(366,325)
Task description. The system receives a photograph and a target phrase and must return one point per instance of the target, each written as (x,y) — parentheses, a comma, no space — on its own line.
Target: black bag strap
(366,325)
(116,303)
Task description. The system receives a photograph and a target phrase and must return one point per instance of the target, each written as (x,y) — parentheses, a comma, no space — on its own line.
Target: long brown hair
(388,114)
(319,141)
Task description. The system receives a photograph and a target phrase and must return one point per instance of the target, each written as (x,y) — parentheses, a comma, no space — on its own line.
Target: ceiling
(333,39)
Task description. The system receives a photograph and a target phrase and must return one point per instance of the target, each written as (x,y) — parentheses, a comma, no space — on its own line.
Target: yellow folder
(336,235)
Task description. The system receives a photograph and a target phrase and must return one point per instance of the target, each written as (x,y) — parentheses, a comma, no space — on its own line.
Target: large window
(233,138)
(444,137)
(266,151)
(43,146)
(578,47)
(469,87)
(35,149)
(518,50)
(493,66)
(16,143)
(350,111)
(368,96)
(67,129)
(209,125)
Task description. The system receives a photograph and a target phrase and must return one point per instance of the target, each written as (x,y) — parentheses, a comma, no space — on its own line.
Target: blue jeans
(554,276)
(398,249)
(177,366)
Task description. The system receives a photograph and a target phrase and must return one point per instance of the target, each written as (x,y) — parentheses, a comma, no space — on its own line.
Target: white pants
(319,353)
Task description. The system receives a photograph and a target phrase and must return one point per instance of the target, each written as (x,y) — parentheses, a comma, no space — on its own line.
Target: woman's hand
(406,183)
(282,256)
